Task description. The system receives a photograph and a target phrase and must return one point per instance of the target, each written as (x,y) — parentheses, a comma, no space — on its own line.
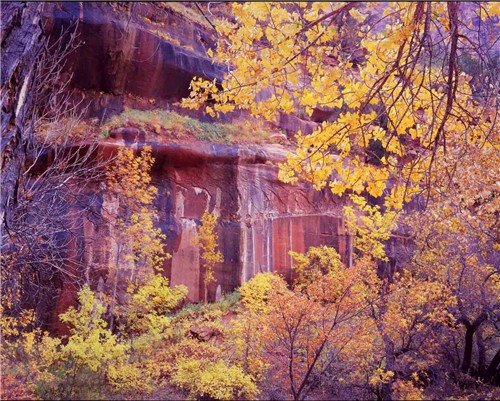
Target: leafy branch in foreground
(389,75)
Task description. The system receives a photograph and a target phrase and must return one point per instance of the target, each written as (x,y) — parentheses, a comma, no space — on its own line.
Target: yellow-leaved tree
(456,244)
(300,336)
(51,367)
(207,240)
(394,78)
(343,331)
(138,246)
(137,272)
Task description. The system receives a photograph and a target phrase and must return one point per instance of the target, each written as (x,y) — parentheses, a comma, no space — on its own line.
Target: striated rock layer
(260,218)
(130,50)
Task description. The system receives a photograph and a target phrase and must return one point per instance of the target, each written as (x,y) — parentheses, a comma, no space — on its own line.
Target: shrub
(216,380)
(318,261)
(255,292)
(170,123)
(150,302)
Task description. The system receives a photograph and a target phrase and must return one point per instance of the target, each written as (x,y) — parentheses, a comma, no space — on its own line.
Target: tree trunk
(471,328)
(469,335)
(386,388)
(481,352)
(21,42)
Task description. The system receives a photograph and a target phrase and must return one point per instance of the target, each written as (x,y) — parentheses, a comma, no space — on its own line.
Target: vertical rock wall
(135,54)
(260,218)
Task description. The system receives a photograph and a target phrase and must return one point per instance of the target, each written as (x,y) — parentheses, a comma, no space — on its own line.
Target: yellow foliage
(247,337)
(12,327)
(140,252)
(318,261)
(208,241)
(185,348)
(127,376)
(370,226)
(415,310)
(407,391)
(139,243)
(91,343)
(381,376)
(26,353)
(216,380)
(255,292)
(296,57)
(292,334)
(149,303)
(145,241)
(129,176)
(59,369)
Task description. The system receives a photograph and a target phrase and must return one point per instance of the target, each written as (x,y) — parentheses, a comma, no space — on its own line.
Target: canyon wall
(260,219)
(143,56)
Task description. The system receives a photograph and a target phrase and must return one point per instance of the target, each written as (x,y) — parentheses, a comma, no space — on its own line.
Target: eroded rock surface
(133,48)
(260,218)
(141,56)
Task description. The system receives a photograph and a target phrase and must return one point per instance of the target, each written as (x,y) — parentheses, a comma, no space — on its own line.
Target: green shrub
(225,305)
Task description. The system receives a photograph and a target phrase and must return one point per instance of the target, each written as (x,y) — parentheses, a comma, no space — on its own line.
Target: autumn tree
(408,119)
(344,332)
(92,360)
(207,240)
(47,168)
(457,245)
(52,367)
(300,336)
(249,332)
(314,264)
(139,251)
(413,316)
(138,296)
(451,271)
(214,380)
(146,310)
(388,74)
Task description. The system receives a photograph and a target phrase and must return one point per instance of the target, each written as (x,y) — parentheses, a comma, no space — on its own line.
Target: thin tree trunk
(115,287)
(470,329)
(386,388)
(481,352)
(469,335)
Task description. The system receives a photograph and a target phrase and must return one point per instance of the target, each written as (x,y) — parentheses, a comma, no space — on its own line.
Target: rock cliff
(260,218)
(144,56)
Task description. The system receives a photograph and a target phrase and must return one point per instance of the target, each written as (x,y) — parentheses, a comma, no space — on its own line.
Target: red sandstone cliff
(143,56)
(260,218)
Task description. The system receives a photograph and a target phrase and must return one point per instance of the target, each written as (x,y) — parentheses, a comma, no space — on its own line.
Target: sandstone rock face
(139,55)
(131,49)
(144,56)
(260,218)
